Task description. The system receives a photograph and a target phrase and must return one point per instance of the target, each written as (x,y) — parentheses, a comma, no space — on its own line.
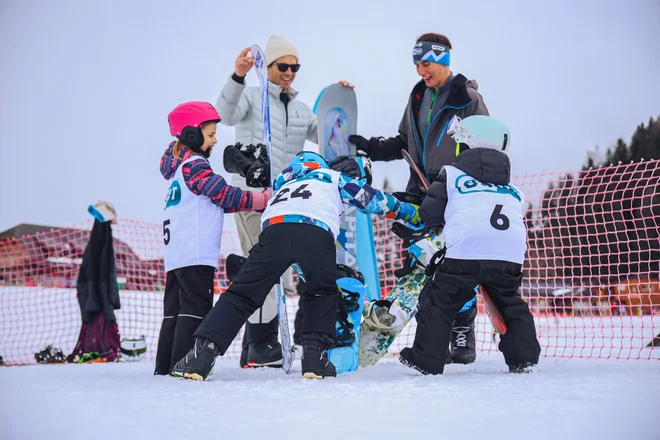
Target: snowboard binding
(349,302)
(377,314)
(344,271)
(133,349)
(344,333)
(50,355)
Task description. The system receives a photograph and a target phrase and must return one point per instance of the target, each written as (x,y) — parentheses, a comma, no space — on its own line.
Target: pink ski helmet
(187,118)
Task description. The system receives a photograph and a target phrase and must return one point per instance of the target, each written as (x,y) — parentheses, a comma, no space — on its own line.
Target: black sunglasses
(282,67)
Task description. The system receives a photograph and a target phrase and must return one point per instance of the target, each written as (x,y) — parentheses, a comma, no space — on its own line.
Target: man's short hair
(435,38)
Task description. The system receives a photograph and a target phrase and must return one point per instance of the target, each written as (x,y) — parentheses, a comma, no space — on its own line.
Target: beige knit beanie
(278,47)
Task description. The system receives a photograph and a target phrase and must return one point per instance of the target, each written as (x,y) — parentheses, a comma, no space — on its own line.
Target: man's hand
(243,63)
(366,145)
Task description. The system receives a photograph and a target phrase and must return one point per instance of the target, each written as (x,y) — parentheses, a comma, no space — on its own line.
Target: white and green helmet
(480,131)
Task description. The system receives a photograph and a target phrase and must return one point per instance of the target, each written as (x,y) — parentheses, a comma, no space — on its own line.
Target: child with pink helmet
(193,217)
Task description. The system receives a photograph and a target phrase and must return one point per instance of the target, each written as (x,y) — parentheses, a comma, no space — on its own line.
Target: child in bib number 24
(299,225)
(196,200)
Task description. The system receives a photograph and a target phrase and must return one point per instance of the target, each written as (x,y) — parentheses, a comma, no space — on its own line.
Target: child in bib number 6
(486,241)
(192,226)
(299,225)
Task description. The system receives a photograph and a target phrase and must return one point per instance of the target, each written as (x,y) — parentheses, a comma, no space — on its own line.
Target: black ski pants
(188,298)
(452,286)
(279,246)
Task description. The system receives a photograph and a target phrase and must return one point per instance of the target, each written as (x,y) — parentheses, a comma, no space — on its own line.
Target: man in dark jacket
(433,102)
(486,241)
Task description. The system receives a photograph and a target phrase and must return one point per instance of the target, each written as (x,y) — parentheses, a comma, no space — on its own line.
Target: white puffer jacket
(240,105)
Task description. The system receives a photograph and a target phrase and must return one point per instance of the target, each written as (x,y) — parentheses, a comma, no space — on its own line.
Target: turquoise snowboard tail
(345,359)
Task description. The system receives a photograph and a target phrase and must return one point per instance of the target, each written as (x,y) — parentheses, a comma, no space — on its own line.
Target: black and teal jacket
(432,149)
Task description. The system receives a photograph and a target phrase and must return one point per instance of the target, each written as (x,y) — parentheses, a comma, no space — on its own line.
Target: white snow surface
(562,399)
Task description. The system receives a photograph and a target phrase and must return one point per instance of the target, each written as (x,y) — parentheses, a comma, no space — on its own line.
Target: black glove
(258,175)
(233,265)
(415,199)
(249,161)
(411,236)
(347,166)
(235,161)
(366,145)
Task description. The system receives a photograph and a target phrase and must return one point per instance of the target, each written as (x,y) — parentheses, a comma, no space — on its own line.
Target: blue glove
(410,214)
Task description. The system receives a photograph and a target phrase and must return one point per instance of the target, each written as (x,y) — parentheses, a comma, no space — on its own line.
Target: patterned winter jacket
(290,126)
(201,180)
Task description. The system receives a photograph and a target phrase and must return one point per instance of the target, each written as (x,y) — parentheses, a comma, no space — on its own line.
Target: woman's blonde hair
(178,149)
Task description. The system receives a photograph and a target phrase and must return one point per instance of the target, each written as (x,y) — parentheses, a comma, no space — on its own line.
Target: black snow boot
(315,363)
(463,341)
(199,361)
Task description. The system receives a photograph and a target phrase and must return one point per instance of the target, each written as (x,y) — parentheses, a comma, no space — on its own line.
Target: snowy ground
(564,399)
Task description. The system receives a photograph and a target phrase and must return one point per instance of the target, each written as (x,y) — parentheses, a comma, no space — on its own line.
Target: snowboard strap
(345,334)
(344,271)
(412,235)
(348,302)
(436,260)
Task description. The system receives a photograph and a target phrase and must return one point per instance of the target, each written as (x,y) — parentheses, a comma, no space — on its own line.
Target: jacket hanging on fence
(98,297)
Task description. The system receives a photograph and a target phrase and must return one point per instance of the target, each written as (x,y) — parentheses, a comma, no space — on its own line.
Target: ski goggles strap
(431,52)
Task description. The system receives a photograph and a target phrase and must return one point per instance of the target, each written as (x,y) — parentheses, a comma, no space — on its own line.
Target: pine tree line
(602,225)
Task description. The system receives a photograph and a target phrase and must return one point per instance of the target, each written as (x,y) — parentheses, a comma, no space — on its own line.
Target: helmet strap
(460,147)
(199,151)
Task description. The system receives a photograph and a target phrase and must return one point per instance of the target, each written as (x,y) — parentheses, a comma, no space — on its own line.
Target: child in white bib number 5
(193,212)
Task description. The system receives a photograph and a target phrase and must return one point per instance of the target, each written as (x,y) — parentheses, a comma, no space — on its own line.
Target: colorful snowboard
(384,321)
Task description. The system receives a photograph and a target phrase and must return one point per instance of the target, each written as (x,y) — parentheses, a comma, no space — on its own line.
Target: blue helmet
(309,156)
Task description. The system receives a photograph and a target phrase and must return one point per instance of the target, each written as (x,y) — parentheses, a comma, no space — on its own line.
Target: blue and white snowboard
(336,112)
(261,69)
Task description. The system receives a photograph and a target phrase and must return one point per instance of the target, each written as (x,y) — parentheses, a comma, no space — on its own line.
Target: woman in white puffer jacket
(292,122)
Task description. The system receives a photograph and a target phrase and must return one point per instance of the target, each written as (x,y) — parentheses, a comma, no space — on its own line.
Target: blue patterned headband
(431,52)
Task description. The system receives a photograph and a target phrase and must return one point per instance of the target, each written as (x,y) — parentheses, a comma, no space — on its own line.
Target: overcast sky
(86,86)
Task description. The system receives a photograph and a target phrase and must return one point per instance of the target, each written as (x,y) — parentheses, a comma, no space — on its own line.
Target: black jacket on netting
(97,281)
